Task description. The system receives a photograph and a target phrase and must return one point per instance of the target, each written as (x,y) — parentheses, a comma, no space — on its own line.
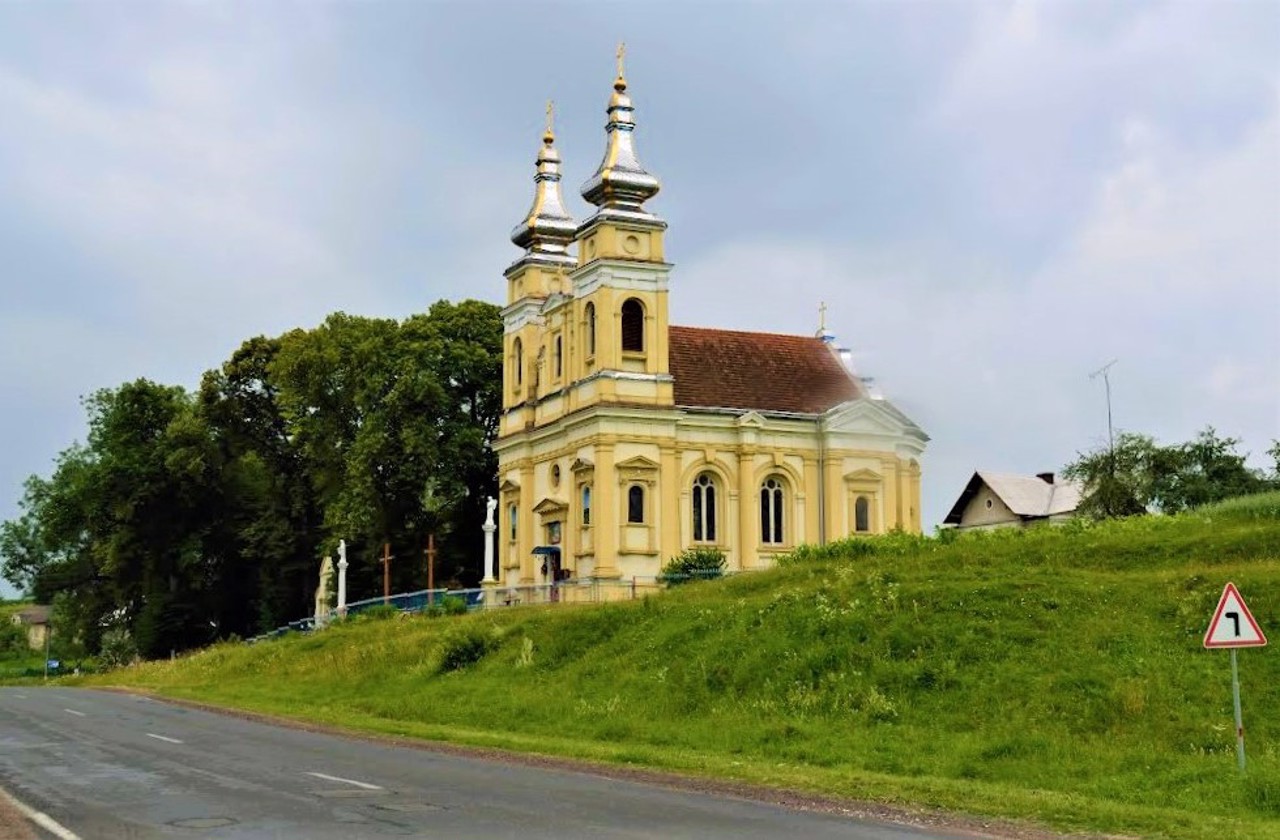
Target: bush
(694,564)
(13,639)
(448,605)
(381,612)
(464,647)
(118,648)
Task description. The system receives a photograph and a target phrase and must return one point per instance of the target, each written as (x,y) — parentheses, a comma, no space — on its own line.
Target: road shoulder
(14,824)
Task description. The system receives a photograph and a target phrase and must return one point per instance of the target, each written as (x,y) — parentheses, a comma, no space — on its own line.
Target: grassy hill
(1054,674)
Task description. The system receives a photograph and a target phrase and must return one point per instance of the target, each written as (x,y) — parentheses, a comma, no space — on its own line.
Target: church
(625,440)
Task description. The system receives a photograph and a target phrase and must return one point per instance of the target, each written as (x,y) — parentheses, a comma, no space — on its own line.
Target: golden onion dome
(620,182)
(547,228)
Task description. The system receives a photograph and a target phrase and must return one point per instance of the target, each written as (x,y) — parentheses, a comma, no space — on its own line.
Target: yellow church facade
(625,440)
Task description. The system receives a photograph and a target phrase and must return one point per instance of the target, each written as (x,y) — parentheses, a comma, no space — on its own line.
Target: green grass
(1054,675)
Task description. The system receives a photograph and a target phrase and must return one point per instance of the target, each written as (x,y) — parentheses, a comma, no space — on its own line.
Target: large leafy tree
(1138,475)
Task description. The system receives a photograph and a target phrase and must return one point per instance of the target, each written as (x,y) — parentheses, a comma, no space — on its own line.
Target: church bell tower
(620,283)
(539,273)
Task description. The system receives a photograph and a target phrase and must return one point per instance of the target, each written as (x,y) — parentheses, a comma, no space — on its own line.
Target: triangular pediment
(863,474)
(581,465)
(863,417)
(549,505)
(554,300)
(638,462)
(509,486)
(752,419)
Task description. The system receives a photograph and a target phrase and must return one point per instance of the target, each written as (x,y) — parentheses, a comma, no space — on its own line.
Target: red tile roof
(760,371)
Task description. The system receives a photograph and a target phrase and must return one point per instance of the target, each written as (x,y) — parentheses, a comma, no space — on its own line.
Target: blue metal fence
(564,592)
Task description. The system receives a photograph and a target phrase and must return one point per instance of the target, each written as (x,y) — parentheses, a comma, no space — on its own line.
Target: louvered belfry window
(633,326)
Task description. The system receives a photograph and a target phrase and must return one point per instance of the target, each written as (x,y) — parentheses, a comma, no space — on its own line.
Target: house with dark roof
(625,440)
(1000,500)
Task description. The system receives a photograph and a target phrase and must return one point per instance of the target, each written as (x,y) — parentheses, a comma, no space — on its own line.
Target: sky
(993,199)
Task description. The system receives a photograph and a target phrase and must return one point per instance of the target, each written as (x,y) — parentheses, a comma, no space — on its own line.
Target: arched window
(704,508)
(771,498)
(517,360)
(862,515)
(591,329)
(633,325)
(586,504)
(513,518)
(559,357)
(635,504)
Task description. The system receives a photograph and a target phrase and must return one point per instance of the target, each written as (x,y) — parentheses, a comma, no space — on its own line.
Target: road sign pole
(1235,698)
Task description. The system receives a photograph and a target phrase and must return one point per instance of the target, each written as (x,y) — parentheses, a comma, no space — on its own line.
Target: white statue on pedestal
(342,577)
(489,528)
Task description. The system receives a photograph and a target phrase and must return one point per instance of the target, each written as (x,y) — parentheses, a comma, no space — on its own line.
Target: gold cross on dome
(622,53)
(551,114)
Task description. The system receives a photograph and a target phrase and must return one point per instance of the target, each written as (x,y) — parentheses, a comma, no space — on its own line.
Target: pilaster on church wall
(660,357)
(812,482)
(525,542)
(892,502)
(606,535)
(669,499)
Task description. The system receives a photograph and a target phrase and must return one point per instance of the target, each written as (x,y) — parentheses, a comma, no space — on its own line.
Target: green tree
(1139,475)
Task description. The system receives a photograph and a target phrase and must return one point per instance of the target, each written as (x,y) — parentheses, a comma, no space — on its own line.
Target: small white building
(35,621)
(1000,500)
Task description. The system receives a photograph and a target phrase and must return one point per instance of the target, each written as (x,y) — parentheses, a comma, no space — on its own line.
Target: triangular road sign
(1233,625)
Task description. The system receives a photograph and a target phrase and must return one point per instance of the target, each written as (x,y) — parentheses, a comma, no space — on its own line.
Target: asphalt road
(104,765)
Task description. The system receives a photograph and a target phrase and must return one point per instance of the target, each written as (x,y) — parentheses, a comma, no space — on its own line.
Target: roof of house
(758,371)
(34,614)
(1027,496)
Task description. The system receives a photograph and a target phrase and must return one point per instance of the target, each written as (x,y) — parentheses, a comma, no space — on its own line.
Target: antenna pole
(1105,373)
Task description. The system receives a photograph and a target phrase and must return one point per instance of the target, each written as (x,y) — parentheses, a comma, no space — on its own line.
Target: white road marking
(364,785)
(74,712)
(163,738)
(43,820)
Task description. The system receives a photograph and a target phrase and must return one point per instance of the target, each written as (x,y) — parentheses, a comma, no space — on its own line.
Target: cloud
(993,198)
(1173,268)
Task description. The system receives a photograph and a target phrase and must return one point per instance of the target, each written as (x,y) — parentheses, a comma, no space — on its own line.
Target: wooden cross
(430,554)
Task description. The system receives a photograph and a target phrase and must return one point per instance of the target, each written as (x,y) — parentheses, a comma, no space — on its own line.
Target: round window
(555,475)
(989,504)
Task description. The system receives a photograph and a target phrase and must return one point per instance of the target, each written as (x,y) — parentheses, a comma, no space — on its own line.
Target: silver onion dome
(547,228)
(620,182)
